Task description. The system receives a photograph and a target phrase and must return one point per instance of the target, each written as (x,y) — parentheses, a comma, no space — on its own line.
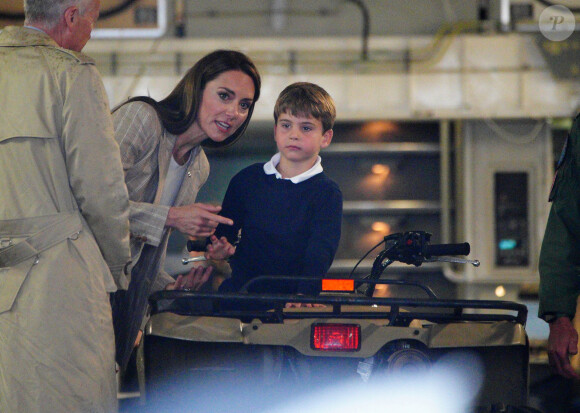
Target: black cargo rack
(401,311)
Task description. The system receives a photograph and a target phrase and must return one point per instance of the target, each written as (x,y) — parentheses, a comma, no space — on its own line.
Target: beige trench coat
(64,229)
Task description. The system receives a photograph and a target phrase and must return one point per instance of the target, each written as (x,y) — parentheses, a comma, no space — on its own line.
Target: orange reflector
(335,337)
(337,285)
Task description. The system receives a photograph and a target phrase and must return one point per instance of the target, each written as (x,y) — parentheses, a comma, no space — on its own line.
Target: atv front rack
(269,308)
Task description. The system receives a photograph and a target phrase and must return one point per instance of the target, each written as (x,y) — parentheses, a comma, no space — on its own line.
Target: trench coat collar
(17,36)
(23,36)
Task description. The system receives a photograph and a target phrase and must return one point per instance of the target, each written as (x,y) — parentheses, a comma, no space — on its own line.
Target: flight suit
(560,253)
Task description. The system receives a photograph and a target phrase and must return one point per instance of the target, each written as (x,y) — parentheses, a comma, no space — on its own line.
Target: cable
(104,14)
(549,3)
(363,257)
(258,13)
(512,137)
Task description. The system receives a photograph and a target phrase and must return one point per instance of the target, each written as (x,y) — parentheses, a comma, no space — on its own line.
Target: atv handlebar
(413,248)
(446,249)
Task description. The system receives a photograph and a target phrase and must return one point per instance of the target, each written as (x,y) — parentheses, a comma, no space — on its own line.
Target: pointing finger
(217,218)
(209,207)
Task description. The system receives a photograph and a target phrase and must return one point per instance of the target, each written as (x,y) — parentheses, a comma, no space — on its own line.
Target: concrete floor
(548,394)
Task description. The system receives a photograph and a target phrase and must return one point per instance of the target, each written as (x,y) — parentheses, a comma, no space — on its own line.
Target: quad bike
(209,351)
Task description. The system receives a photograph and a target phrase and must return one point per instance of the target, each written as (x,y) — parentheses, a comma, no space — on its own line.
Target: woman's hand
(304,305)
(196,220)
(193,280)
(219,249)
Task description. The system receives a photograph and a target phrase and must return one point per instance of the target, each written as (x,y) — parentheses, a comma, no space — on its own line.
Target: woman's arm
(138,132)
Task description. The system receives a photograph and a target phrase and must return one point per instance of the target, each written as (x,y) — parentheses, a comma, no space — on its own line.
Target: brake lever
(455,260)
(186,261)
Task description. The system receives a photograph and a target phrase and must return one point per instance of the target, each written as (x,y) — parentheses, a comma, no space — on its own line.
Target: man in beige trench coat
(64,230)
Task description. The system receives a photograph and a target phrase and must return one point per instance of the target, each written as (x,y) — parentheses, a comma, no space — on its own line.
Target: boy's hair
(306,99)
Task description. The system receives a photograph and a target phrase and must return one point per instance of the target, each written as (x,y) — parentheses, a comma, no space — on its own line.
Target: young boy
(289,212)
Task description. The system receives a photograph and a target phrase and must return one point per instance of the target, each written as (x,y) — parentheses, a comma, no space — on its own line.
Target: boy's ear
(326,138)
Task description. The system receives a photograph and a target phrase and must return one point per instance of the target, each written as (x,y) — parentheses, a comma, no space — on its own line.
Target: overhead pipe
(366,27)
(278,17)
(505,16)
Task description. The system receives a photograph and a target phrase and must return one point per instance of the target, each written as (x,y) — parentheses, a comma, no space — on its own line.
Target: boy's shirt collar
(270,169)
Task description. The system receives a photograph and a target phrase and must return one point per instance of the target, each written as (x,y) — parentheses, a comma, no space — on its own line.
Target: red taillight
(335,337)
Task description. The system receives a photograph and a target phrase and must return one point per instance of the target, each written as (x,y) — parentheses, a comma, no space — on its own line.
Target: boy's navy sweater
(286,228)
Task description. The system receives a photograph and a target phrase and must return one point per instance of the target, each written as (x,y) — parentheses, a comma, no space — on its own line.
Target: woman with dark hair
(165,166)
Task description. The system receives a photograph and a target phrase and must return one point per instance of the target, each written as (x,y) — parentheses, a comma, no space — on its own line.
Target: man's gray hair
(49,12)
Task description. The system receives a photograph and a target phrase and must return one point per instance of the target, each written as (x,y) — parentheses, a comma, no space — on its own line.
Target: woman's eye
(245,105)
(223,95)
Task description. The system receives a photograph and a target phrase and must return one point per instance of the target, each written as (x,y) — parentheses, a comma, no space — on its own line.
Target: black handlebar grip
(197,245)
(446,249)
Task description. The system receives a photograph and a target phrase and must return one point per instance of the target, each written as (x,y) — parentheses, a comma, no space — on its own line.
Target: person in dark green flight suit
(560,258)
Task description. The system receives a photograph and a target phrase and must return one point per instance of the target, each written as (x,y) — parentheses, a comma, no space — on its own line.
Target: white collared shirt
(270,169)
(35,28)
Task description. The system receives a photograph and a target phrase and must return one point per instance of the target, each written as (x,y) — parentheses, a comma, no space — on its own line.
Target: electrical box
(511,219)
(503,182)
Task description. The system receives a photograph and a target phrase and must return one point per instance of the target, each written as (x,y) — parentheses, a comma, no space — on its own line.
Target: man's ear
(326,138)
(71,14)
